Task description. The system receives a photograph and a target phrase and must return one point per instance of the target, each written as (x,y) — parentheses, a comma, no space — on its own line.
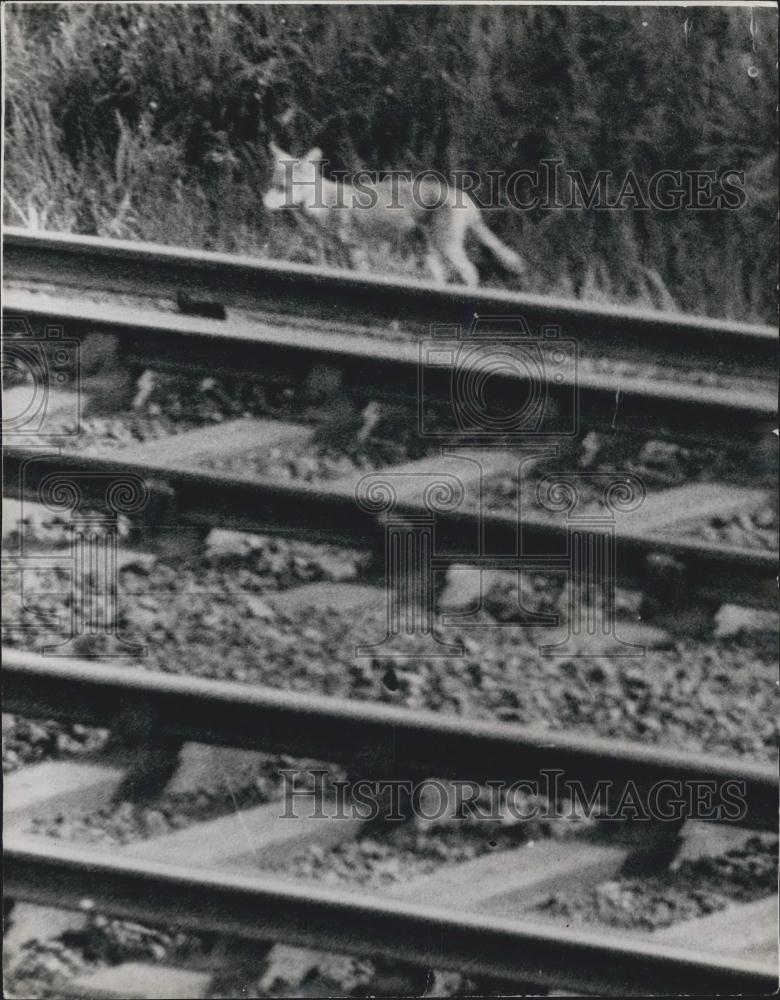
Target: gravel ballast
(230,613)
(717,695)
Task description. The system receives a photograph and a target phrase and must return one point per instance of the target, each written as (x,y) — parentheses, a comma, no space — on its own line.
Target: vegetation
(148,121)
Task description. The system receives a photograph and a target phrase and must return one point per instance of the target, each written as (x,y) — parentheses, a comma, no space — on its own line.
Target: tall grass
(152,122)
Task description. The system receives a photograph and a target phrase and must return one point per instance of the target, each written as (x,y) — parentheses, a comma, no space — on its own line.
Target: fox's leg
(504,255)
(456,255)
(448,237)
(436,267)
(427,251)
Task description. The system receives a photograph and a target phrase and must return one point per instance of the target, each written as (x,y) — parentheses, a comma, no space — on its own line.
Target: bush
(152,122)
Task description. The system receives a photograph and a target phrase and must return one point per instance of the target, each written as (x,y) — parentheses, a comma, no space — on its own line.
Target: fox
(391,209)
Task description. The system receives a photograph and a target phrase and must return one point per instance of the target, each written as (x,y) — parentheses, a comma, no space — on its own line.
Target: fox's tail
(504,254)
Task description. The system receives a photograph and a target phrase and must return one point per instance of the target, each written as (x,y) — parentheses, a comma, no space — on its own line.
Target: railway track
(672,568)
(298,318)
(339,297)
(221,314)
(418,744)
(221,893)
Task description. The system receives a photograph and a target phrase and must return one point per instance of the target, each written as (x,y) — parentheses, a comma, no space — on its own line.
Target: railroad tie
(496,887)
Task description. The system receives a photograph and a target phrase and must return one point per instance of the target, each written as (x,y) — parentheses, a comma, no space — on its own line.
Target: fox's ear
(278,154)
(315,153)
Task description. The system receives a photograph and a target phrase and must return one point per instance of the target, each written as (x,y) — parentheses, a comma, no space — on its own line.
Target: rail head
(253,907)
(329,513)
(375,369)
(147,268)
(418,744)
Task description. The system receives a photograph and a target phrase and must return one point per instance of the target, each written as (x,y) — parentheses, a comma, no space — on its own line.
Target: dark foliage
(152,121)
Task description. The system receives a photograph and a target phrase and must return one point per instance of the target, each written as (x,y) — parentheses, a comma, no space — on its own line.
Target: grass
(152,122)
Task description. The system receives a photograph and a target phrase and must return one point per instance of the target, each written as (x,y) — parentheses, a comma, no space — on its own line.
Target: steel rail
(257,908)
(329,513)
(345,297)
(375,369)
(406,743)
